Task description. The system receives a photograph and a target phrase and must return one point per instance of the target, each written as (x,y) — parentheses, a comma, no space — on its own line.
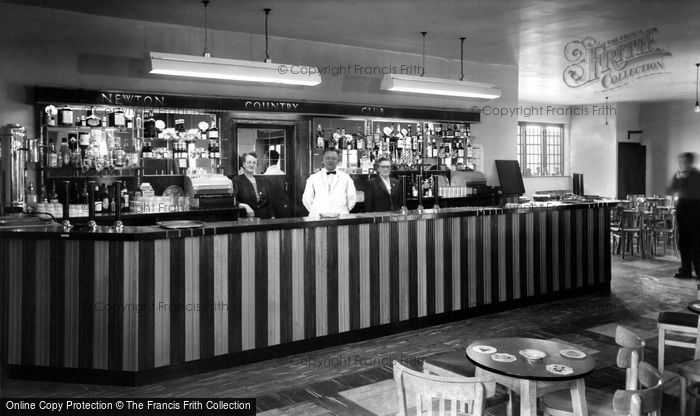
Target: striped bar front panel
(139,305)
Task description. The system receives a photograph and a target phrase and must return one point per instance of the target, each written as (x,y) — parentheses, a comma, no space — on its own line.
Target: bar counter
(147,303)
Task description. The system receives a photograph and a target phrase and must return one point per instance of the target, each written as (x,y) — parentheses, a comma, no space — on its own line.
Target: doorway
(272,144)
(631,169)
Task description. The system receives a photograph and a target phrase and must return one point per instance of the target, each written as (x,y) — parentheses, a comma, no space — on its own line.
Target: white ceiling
(531,34)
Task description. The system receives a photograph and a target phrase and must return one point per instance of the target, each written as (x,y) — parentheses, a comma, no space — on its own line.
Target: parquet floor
(355,379)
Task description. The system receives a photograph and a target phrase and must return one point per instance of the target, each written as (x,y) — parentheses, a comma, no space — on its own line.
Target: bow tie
(330,173)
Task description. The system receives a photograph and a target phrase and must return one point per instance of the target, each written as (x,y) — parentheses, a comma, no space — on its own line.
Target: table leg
(528,397)
(578,398)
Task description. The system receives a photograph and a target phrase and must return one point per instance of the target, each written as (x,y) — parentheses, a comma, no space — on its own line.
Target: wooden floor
(355,379)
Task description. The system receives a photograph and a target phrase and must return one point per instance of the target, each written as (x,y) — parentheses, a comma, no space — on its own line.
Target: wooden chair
(629,356)
(632,402)
(664,229)
(420,392)
(455,364)
(677,324)
(632,227)
(643,401)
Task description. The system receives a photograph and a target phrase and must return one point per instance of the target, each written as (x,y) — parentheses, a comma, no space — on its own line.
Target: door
(631,169)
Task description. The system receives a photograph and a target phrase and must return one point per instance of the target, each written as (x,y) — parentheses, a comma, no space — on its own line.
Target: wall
(594,148)
(669,129)
(66,49)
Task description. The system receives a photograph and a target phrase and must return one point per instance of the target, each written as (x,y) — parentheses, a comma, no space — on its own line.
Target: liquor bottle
(53,196)
(31,197)
(72,142)
(217,150)
(320,140)
(438,130)
(359,139)
(149,126)
(42,195)
(98,199)
(146,151)
(103,196)
(213,132)
(450,133)
(53,156)
(129,123)
(83,141)
(84,194)
(83,121)
(124,198)
(212,150)
(460,149)
(64,153)
(399,138)
(180,126)
(75,160)
(65,116)
(377,135)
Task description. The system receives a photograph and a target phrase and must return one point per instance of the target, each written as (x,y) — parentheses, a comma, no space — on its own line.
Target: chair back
(644,400)
(419,391)
(630,353)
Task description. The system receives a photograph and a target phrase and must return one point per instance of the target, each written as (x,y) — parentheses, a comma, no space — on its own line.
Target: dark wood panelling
(146,303)
(206,297)
(234,292)
(286,284)
(261,289)
(354,270)
(178,300)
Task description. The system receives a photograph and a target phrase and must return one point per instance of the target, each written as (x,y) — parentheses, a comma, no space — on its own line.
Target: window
(541,149)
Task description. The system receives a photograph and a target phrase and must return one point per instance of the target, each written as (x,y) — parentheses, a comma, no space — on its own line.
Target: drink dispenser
(14,159)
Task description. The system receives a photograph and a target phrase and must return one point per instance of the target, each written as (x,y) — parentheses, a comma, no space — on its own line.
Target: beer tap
(404,208)
(419,185)
(436,192)
(65,223)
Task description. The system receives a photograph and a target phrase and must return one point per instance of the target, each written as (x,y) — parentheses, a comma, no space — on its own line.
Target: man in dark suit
(383,193)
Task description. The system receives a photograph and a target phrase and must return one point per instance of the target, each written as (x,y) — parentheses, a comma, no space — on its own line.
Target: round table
(530,378)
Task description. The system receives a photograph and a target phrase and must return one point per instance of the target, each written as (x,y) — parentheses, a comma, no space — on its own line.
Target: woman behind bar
(252,195)
(383,193)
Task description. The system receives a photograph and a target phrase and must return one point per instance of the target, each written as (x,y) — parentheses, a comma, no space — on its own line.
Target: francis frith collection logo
(615,62)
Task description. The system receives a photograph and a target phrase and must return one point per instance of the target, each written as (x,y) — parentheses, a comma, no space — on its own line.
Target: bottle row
(182,150)
(394,137)
(104,199)
(69,117)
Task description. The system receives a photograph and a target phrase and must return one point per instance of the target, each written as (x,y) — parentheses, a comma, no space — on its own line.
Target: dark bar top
(132,233)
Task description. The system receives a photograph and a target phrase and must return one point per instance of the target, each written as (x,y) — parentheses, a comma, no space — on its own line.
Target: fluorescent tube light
(439,86)
(232,69)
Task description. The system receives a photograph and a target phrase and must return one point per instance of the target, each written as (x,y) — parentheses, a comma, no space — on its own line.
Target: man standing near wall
(686,183)
(329,191)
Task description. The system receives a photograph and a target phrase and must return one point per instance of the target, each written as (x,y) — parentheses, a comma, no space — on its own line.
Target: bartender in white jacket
(329,191)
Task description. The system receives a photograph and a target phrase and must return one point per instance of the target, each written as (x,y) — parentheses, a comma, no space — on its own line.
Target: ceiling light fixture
(439,86)
(697,104)
(232,69)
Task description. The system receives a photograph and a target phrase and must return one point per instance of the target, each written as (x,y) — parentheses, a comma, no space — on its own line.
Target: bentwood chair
(420,392)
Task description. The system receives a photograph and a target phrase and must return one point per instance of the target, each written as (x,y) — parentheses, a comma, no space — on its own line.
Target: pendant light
(438,86)
(232,69)
(697,104)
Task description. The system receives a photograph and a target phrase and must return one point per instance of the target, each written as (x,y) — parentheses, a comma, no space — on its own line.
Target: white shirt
(329,194)
(274,170)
